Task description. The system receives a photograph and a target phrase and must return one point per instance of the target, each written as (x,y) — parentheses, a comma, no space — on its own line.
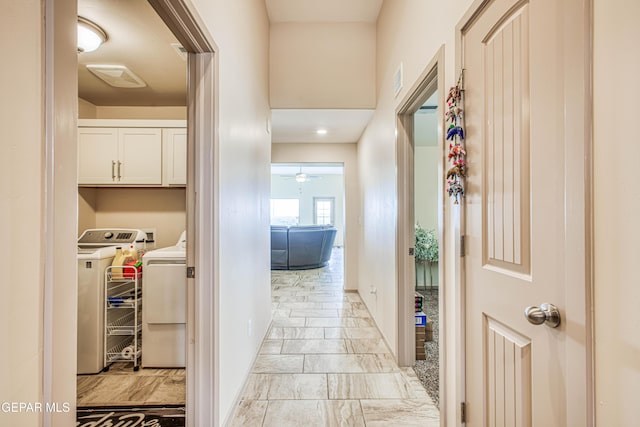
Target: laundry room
(131,208)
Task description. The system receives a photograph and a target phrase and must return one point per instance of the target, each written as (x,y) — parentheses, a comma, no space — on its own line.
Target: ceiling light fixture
(321,131)
(90,35)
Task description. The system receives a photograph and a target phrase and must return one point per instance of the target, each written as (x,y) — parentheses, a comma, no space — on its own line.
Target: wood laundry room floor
(121,386)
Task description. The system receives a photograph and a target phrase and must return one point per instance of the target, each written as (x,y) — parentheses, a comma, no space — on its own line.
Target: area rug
(132,416)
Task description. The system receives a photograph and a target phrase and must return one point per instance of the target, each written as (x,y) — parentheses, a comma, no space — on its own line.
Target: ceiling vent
(117,76)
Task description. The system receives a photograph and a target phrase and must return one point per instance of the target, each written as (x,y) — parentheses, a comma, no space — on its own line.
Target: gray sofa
(301,247)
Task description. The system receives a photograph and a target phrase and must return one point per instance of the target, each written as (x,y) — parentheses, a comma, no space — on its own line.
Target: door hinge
(463,249)
(191,272)
(463,412)
(412,251)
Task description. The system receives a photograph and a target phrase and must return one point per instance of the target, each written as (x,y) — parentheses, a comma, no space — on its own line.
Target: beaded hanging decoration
(455,134)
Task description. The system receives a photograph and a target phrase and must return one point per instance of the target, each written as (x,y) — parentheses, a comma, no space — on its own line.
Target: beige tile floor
(324,362)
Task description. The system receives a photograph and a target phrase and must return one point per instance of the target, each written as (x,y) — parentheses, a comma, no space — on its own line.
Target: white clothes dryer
(164,306)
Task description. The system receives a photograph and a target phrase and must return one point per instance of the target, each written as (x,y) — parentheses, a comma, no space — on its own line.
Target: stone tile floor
(324,362)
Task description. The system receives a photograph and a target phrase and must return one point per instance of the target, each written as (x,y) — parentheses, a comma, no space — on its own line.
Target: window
(323,210)
(285,211)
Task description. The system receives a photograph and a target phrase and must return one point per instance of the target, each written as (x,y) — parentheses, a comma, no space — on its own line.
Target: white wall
(322,65)
(617,209)
(409,32)
(426,184)
(241,31)
(426,170)
(346,154)
(329,186)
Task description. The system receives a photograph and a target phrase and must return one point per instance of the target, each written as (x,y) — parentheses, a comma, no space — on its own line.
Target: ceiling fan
(302,177)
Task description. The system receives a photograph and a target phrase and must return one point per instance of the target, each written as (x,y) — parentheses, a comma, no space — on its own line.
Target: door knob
(546,313)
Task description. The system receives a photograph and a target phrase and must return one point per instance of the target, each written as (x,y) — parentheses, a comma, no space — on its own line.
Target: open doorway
(61,196)
(425,167)
(420,255)
(132,176)
(308,198)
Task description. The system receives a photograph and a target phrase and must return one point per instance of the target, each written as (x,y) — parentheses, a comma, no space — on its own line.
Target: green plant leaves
(426,244)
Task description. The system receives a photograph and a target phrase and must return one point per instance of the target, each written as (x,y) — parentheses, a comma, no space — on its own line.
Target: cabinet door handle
(119,176)
(113,170)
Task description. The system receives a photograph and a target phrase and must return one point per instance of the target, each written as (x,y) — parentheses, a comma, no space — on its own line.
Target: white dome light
(90,36)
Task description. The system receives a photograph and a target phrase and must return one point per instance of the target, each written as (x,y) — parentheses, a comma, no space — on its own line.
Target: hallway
(324,362)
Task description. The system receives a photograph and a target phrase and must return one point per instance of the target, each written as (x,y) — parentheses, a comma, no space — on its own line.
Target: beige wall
(142,113)
(409,32)
(241,31)
(161,208)
(321,65)
(87,110)
(21,198)
(38,201)
(334,153)
(617,209)
(86,209)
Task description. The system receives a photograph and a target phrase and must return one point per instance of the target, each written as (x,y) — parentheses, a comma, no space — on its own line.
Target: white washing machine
(96,249)
(164,306)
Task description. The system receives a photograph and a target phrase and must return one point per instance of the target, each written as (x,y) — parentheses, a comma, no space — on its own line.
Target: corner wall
(241,31)
(409,32)
(22,213)
(334,153)
(617,209)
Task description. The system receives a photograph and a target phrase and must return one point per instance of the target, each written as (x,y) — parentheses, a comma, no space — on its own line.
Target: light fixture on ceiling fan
(301,177)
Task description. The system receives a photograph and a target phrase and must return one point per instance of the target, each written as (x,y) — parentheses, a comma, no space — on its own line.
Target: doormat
(131,416)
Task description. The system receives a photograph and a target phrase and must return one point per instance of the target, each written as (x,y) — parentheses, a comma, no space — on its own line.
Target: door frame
(430,80)
(577,24)
(60,331)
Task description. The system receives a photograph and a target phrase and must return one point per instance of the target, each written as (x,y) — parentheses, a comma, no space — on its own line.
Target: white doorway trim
(202,368)
(430,80)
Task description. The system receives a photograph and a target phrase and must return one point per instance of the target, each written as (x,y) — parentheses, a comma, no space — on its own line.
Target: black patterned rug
(132,416)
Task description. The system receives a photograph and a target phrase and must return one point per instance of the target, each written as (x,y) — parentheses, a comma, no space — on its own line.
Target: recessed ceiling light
(321,131)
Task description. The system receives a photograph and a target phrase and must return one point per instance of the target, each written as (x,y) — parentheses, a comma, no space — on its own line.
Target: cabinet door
(97,155)
(174,145)
(140,156)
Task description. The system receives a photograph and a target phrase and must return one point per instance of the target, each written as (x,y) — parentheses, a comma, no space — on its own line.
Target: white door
(523,248)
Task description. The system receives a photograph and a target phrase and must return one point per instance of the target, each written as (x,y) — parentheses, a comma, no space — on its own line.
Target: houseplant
(426,247)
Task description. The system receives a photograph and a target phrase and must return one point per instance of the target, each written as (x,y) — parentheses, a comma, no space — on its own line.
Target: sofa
(301,247)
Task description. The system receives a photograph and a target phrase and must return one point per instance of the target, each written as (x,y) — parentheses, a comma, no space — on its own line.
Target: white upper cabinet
(132,152)
(174,146)
(97,155)
(140,156)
